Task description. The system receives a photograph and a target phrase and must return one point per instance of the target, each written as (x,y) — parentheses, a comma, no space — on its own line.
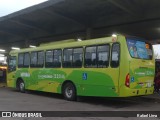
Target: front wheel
(69,92)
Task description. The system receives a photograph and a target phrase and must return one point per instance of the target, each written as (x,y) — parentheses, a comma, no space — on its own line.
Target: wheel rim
(69,92)
(21,86)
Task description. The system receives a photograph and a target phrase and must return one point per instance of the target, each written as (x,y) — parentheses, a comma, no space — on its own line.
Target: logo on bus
(25,74)
(132,79)
(84,76)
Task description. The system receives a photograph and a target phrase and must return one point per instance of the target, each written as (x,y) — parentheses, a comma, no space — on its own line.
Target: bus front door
(11,71)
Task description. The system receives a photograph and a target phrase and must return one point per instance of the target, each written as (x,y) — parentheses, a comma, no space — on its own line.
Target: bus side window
(33,59)
(40,61)
(103,56)
(67,58)
(26,60)
(20,59)
(57,58)
(49,59)
(77,57)
(115,55)
(12,63)
(90,57)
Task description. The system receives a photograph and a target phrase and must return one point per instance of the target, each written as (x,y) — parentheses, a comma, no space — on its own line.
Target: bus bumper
(126,92)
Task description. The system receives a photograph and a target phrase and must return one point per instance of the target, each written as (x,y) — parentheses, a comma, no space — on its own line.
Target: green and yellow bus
(116,66)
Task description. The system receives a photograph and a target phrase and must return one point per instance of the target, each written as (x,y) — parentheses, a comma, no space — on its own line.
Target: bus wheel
(21,86)
(69,91)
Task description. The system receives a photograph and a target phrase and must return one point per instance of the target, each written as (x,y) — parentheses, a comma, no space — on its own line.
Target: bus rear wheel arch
(69,91)
(20,85)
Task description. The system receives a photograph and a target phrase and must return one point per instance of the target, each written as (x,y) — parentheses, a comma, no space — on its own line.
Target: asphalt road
(12,100)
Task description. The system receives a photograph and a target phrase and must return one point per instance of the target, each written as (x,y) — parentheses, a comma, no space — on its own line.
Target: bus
(115,66)
(3,70)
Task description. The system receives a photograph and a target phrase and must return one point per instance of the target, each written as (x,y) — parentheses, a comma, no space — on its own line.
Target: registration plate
(148,84)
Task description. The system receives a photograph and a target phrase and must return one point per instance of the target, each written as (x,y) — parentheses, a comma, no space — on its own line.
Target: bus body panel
(90,81)
(141,79)
(141,75)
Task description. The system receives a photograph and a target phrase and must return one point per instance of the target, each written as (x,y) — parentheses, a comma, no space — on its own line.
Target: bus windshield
(139,49)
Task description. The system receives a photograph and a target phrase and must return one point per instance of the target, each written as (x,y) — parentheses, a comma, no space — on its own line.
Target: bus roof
(66,44)
(57,42)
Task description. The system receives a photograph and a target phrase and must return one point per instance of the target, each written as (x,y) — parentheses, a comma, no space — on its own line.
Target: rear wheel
(21,86)
(69,91)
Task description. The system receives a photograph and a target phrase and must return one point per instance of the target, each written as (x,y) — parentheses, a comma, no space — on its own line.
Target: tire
(69,92)
(21,86)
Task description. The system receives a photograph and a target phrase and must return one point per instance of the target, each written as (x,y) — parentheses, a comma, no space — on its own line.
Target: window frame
(85,56)
(45,58)
(72,56)
(97,55)
(9,69)
(27,66)
(40,66)
(118,56)
(61,58)
(141,40)
(35,66)
(53,58)
(107,65)
(82,57)
(21,65)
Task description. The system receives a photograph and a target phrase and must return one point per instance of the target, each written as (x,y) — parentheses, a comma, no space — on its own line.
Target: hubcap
(68,92)
(21,86)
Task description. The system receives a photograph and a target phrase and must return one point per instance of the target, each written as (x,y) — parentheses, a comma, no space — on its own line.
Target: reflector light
(127,82)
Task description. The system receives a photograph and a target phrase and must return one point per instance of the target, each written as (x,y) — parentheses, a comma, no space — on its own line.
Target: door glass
(12,63)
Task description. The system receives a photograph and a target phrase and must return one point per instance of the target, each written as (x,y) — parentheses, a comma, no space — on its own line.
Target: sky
(10,6)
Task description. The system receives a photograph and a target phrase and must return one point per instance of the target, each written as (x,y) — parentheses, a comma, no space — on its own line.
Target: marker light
(32,46)
(114,35)
(147,46)
(15,48)
(79,39)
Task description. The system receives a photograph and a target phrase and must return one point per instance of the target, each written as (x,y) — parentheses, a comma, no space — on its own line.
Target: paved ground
(12,100)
